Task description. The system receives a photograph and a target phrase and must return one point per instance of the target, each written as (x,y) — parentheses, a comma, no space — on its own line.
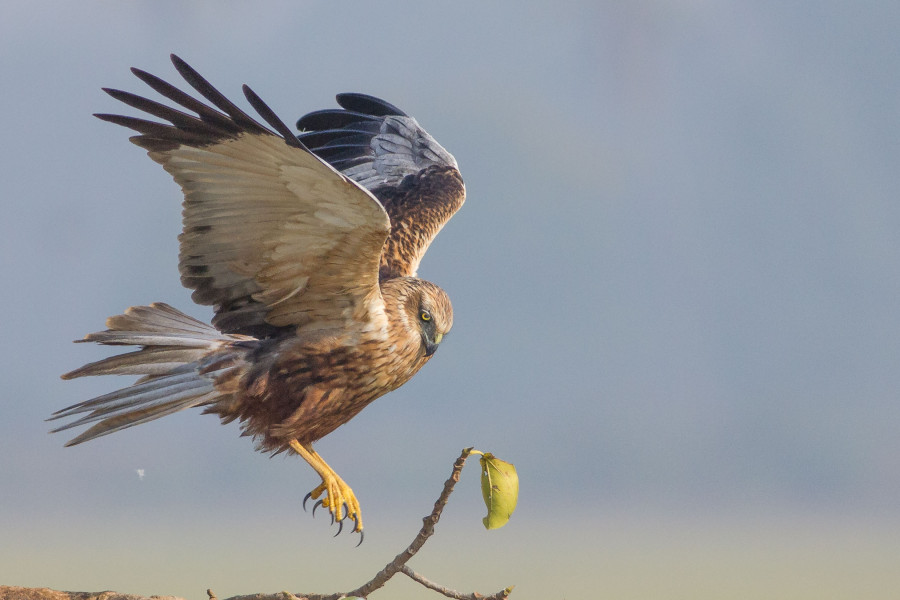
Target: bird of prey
(307,247)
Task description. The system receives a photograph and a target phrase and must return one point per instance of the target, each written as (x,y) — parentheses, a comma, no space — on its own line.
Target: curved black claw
(340,528)
(305,499)
(315,506)
(360,537)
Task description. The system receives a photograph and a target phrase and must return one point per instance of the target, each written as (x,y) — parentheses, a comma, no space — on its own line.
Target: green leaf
(500,488)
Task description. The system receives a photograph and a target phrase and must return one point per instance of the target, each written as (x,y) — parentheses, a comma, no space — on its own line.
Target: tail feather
(149,361)
(160,317)
(181,360)
(158,325)
(140,338)
(135,417)
(139,393)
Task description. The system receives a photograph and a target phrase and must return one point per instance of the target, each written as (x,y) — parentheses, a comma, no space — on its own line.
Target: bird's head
(430,311)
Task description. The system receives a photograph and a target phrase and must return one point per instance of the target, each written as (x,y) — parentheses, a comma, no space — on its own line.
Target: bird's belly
(308,398)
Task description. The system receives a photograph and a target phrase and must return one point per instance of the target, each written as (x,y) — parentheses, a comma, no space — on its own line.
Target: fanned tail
(181,362)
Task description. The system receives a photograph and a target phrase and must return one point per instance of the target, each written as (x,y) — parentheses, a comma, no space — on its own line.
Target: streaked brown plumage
(307,247)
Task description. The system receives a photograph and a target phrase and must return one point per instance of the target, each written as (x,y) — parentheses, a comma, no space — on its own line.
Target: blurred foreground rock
(8,592)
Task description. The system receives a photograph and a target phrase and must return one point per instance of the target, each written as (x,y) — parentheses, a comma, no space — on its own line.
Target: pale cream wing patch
(276,235)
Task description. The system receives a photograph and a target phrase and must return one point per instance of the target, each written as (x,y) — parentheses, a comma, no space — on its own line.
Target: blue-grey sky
(675,280)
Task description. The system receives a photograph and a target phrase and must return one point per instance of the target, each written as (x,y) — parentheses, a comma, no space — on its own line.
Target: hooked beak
(431,346)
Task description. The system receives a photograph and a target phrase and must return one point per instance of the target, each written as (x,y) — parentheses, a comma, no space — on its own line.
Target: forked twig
(398,565)
(501,595)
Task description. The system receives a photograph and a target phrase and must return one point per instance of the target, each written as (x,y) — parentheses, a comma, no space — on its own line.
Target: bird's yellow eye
(425,315)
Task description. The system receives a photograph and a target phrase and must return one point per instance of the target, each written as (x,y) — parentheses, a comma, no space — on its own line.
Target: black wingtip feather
(355,108)
(332,118)
(315,139)
(270,117)
(206,89)
(370,105)
(152,129)
(206,114)
(208,126)
(178,118)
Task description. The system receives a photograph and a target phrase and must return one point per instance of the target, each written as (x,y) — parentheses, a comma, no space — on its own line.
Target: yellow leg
(337,493)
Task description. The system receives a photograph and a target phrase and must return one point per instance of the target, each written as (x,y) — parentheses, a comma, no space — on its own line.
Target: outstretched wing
(386,151)
(273,236)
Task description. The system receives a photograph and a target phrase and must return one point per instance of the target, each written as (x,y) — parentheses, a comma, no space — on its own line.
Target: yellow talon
(337,493)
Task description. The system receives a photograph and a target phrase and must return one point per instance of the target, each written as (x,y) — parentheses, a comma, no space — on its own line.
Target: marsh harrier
(307,248)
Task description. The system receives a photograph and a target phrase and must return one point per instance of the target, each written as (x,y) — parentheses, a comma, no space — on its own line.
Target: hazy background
(675,286)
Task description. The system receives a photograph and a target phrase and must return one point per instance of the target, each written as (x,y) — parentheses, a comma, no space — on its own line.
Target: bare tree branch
(426,532)
(398,565)
(501,595)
